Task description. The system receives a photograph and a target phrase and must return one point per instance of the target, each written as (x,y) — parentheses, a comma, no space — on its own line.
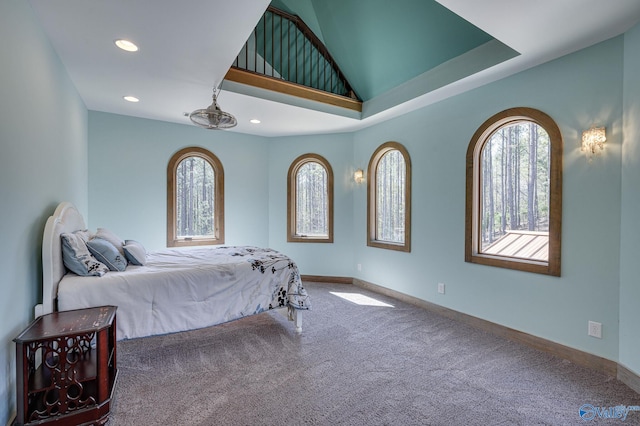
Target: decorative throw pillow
(135,252)
(85,234)
(106,253)
(78,259)
(105,234)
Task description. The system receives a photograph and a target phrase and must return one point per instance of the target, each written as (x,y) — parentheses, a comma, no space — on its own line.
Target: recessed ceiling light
(126,45)
(130,99)
(255,121)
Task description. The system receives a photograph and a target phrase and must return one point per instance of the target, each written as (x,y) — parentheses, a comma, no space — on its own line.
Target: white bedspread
(184,289)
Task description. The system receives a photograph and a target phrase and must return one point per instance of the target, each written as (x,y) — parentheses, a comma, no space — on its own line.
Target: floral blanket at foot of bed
(268,261)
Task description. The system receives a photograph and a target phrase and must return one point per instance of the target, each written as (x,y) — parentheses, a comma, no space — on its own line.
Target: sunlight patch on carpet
(361,299)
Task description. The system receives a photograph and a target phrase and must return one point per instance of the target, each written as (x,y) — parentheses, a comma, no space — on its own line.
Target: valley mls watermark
(589,412)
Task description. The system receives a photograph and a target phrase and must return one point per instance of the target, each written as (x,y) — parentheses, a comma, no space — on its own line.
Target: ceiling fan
(213,117)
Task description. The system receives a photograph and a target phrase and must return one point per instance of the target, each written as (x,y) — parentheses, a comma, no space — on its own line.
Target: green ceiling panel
(380,44)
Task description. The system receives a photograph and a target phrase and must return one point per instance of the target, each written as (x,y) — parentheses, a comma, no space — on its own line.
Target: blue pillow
(105,234)
(107,253)
(77,258)
(135,252)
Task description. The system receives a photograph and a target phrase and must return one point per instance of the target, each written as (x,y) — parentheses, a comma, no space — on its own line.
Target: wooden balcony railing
(284,55)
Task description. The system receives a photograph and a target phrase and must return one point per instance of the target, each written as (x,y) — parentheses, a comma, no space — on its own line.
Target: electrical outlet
(595,329)
(441,288)
(359,266)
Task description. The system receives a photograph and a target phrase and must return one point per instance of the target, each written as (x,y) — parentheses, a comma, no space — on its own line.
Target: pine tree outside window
(310,200)
(514,192)
(389,198)
(195,199)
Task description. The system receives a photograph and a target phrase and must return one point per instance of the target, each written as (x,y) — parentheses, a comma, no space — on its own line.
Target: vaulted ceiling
(380,44)
(398,56)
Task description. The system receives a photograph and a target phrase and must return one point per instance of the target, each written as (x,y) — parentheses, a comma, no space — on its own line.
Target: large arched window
(514,192)
(195,198)
(310,200)
(389,198)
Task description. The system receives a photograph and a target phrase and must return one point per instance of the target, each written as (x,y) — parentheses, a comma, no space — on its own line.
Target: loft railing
(283,48)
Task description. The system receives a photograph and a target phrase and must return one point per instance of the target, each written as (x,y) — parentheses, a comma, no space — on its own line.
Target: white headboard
(66,218)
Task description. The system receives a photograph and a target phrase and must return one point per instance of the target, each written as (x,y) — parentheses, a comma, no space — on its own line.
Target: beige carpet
(353,365)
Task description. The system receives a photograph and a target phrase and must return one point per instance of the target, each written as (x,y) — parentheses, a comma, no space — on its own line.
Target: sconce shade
(358,176)
(593,141)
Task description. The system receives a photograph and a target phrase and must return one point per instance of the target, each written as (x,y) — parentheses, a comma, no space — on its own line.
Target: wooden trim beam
(629,378)
(315,41)
(325,279)
(250,78)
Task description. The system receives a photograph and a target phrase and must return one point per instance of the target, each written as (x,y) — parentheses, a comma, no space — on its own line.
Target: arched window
(195,198)
(389,198)
(514,192)
(310,200)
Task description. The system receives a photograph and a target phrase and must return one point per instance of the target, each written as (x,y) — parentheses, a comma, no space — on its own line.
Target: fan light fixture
(213,117)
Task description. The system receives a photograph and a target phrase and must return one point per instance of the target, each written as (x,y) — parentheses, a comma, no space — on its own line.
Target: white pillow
(135,252)
(76,256)
(105,234)
(85,234)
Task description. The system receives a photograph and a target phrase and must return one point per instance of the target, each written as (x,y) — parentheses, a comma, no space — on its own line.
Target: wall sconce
(358,176)
(593,141)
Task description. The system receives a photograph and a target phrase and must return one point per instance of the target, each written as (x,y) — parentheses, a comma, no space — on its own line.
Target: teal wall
(128,160)
(327,259)
(43,159)
(577,91)
(630,227)
(127,185)
(114,169)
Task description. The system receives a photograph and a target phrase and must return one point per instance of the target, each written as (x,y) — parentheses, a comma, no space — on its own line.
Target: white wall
(128,160)
(577,91)
(630,227)
(43,160)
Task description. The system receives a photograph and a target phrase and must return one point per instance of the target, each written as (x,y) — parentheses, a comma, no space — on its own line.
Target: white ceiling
(187,46)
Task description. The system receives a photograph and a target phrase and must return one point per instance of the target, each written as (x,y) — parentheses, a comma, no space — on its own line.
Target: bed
(176,289)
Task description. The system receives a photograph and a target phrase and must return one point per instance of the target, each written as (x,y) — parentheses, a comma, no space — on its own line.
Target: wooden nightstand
(66,367)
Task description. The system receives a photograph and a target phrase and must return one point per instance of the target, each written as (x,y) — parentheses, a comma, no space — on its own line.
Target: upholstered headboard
(66,218)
